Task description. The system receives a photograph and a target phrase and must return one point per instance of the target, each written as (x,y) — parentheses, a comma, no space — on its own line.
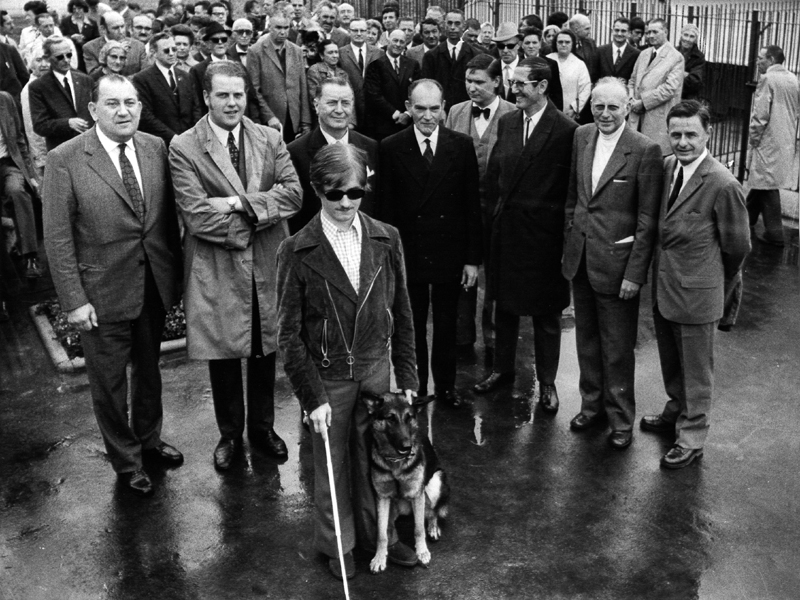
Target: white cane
(336,525)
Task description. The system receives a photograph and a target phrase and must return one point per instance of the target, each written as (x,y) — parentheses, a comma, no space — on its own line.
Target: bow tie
(477,111)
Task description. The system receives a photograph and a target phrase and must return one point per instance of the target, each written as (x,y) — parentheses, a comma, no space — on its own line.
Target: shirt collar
(332,140)
(434,137)
(457,47)
(222,134)
(164,70)
(688,170)
(492,106)
(330,227)
(512,65)
(110,145)
(62,76)
(356,49)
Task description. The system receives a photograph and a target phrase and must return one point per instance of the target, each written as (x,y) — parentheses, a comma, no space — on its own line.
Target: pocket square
(627,240)
(620,180)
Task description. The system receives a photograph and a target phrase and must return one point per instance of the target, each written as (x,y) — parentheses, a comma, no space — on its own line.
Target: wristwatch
(232,204)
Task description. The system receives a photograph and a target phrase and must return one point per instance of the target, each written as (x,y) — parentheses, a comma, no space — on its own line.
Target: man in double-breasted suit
(430,193)
(618,58)
(610,228)
(334,106)
(278,75)
(478,118)
(235,187)
(386,89)
(655,85)
(703,239)
(354,58)
(112,241)
(59,110)
(529,174)
(165,92)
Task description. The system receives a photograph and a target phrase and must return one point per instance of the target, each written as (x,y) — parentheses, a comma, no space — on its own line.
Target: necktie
(652,58)
(397,65)
(676,189)
(68,89)
(233,151)
(619,55)
(172,85)
(506,79)
(477,111)
(454,54)
(361,61)
(527,128)
(130,183)
(428,154)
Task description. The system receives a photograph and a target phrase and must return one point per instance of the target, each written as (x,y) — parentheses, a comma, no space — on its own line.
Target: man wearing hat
(507,40)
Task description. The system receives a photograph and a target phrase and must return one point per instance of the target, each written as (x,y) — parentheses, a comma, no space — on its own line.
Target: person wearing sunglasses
(60,99)
(343,317)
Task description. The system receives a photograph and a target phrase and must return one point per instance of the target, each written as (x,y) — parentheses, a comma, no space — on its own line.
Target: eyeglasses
(115,57)
(219,40)
(352,194)
(67,55)
(142,28)
(243,31)
(515,83)
(170,51)
(503,46)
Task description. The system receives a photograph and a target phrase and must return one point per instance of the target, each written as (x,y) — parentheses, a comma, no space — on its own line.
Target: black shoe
(679,457)
(451,397)
(548,398)
(166,454)
(771,241)
(268,441)
(336,567)
(137,481)
(494,381)
(620,439)
(725,327)
(402,555)
(225,452)
(656,424)
(33,270)
(581,421)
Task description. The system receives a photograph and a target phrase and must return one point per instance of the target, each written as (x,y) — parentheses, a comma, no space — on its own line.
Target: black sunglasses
(67,55)
(352,194)
(219,40)
(502,46)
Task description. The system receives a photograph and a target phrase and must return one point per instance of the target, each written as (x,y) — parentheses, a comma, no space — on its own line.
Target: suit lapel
(269,48)
(219,155)
(440,166)
(324,261)
(411,157)
(146,157)
(535,142)
(372,257)
(691,186)
(254,168)
(618,159)
(100,163)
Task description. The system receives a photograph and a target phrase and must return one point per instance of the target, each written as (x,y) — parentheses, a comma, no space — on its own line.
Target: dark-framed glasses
(352,194)
(219,40)
(67,55)
(503,46)
(516,83)
(243,32)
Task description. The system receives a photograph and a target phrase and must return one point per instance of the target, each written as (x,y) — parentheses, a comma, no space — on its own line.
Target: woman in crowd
(112,59)
(549,35)
(694,62)
(326,68)
(374,31)
(574,76)
(38,65)
(486,35)
(79,28)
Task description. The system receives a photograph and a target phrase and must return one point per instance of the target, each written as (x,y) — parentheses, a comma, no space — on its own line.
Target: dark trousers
(12,187)
(546,343)
(228,392)
(443,301)
(768,203)
(686,353)
(605,335)
(733,299)
(350,438)
(108,348)
(288,130)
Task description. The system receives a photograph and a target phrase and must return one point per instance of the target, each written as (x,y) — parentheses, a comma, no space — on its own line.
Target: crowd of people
(388,168)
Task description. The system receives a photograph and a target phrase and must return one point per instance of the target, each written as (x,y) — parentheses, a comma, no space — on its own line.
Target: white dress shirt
(457,47)
(60,77)
(508,73)
(602,153)
(363,51)
(534,121)
(332,140)
(434,138)
(481,122)
(346,245)
(222,134)
(112,149)
(688,170)
(165,72)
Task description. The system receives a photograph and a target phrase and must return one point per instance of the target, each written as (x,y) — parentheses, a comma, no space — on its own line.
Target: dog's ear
(374,402)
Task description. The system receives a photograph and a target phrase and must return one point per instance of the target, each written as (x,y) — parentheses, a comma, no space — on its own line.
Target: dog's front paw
(378,563)
(433,531)
(423,554)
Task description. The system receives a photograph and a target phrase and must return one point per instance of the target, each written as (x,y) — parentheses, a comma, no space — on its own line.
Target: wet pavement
(537,511)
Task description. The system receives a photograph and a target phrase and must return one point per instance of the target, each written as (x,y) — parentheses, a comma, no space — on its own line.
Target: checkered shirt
(346,245)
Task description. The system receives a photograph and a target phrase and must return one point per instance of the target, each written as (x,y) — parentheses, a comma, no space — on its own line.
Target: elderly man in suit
(703,239)
(429,191)
(478,118)
(334,105)
(278,74)
(585,47)
(111,234)
(235,187)
(60,99)
(241,38)
(529,174)
(655,85)
(386,89)
(112,27)
(618,58)
(355,57)
(773,125)
(611,218)
(164,91)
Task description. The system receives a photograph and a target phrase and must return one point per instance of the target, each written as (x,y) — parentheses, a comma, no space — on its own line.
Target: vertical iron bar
(755,28)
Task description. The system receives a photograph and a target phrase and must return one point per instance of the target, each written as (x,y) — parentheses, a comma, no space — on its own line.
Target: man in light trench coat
(235,187)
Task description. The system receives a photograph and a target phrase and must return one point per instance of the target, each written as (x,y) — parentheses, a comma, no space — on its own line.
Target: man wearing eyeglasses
(164,91)
(112,27)
(241,38)
(60,99)
(235,187)
(507,42)
(141,28)
(528,174)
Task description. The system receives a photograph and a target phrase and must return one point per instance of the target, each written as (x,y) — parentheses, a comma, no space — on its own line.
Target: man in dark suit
(585,47)
(60,99)
(617,58)
(241,38)
(235,187)
(334,106)
(430,39)
(529,174)
(507,42)
(112,27)
(430,193)
(111,235)
(386,89)
(354,58)
(164,91)
(703,239)
(611,218)
(447,63)
(13,74)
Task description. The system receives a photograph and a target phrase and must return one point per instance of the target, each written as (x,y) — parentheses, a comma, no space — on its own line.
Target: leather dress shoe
(548,398)
(494,381)
(166,454)
(620,439)
(225,452)
(398,553)
(679,457)
(335,566)
(581,421)
(656,424)
(137,481)
(451,397)
(268,441)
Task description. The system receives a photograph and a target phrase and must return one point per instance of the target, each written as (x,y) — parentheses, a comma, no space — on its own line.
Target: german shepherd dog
(405,472)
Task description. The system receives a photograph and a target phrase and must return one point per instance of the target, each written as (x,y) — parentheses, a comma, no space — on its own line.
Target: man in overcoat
(235,187)
(529,174)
